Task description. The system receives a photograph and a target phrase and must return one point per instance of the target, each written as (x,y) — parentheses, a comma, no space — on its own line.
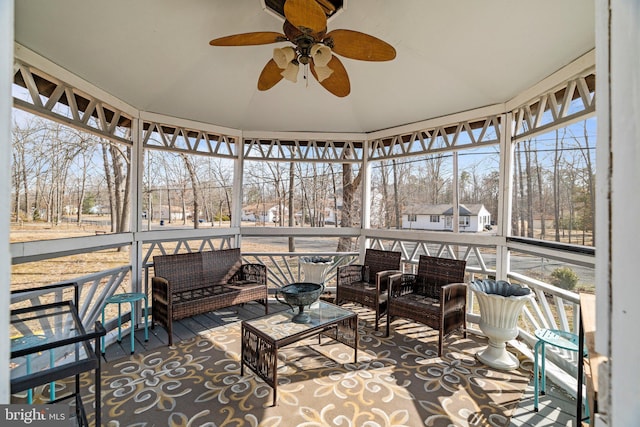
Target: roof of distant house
(443,209)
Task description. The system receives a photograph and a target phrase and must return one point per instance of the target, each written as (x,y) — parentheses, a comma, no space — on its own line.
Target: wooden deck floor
(557,408)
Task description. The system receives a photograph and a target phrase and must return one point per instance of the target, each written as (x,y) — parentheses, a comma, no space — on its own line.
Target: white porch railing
(92,289)
(285,267)
(88,293)
(553,307)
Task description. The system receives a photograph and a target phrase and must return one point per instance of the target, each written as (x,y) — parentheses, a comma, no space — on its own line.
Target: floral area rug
(397,381)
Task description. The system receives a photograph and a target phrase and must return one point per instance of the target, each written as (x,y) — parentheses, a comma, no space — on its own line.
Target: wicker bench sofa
(198,282)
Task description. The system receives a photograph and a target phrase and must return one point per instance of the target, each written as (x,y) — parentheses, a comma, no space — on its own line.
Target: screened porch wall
(559,100)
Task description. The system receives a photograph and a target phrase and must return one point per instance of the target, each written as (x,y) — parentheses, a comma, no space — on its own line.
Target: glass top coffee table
(263,336)
(50,343)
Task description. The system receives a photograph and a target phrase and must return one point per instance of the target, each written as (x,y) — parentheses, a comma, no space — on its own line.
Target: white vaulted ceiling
(452,56)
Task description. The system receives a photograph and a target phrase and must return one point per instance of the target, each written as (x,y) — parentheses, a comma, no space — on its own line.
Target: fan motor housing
(330,7)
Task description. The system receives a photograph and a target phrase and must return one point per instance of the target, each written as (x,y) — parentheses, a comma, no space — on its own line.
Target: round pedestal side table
(557,338)
(132,298)
(19,343)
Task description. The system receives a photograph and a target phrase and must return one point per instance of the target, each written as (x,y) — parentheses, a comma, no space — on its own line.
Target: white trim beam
(314,150)
(563,105)
(444,137)
(70,114)
(6,70)
(187,140)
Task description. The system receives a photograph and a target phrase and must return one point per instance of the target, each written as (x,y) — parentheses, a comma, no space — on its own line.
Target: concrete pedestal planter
(500,306)
(315,268)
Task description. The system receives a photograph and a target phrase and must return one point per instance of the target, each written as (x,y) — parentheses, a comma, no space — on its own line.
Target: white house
(99,210)
(261,212)
(248,215)
(330,216)
(472,218)
(162,212)
(270,215)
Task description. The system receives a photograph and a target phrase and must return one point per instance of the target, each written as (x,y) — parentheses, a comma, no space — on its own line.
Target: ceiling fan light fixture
(283,56)
(290,72)
(321,55)
(305,26)
(323,73)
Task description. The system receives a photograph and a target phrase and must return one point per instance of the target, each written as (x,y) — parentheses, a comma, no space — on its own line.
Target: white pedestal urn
(315,268)
(500,306)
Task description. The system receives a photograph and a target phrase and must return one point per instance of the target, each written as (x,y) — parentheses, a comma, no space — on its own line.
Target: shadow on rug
(398,381)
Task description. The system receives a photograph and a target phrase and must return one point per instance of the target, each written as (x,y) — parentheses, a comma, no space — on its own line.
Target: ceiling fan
(305,26)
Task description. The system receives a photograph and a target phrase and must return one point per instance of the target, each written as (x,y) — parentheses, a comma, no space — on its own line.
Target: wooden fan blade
(249,39)
(357,45)
(338,82)
(306,15)
(270,76)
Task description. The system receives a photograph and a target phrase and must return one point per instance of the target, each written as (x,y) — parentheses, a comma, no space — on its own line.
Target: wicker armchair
(366,284)
(435,296)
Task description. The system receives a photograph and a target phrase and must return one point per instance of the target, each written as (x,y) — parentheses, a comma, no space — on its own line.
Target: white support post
(603,183)
(137,194)
(505,203)
(456,195)
(618,172)
(6,80)
(236,196)
(365,219)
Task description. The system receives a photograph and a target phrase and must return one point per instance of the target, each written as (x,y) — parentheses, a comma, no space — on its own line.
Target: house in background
(248,215)
(472,218)
(97,210)
(263,213)
(162,213)
(327,216)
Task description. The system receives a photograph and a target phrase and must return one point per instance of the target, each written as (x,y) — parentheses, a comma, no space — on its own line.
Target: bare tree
(277,174)
(490,194)
(116,160)
(291,193)
(556,182)
(519,224)
(434,177)
(350,185)
(24,163)
(195,187)
(334,193)
(527,157)
(222,176)
(384,175)
(585,152)
(83,166)
(541,199)
(396,195)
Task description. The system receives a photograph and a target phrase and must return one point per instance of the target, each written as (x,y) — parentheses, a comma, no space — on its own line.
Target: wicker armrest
(251,273)
(161,289)
(401,284)
(351,273)
(453,295)
(395,281)
(383,278)
(385,274)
